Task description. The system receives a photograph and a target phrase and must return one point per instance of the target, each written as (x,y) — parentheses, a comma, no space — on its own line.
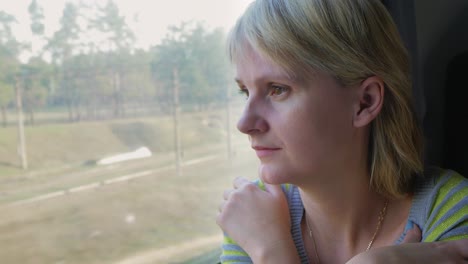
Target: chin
(272,176)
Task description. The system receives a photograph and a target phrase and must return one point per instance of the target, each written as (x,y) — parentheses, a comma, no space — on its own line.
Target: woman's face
(298,128)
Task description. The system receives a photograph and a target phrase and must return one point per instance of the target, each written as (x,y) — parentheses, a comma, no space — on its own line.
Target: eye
(277,90)
(244,92)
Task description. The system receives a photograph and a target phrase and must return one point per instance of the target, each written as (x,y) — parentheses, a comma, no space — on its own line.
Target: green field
(157,218)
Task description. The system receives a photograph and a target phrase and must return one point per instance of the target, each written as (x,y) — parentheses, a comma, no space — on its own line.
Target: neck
(345,209)
(340,196)
(342,211)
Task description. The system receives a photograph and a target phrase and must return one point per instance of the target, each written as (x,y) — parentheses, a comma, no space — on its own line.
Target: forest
(106,77)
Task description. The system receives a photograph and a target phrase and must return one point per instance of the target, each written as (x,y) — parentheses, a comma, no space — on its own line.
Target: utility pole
(21,138)
(176,112)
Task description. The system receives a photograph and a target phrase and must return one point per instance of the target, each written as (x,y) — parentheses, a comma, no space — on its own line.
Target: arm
(445,231)
(259,222)
(435,252)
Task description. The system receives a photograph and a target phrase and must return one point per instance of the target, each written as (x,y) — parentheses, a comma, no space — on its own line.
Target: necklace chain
(382,214)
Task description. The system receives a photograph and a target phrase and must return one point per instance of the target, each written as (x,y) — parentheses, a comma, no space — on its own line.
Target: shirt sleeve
(448,215)
(233,253)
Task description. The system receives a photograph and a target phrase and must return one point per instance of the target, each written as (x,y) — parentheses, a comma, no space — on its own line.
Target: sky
(153,16)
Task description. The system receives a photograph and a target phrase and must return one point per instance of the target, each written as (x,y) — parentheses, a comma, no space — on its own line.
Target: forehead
(251,65)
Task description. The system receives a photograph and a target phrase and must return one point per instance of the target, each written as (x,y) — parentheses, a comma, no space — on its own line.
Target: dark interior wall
(434,18)
(456,116)
(436,35)
(403,13)
(442,34)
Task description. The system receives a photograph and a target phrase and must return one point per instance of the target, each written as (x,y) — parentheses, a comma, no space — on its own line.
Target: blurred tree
(65,40)
(93,82)
(117,34)
(61,47)
(8,69)
(35,73)
(119,40)
(36,14)
(199,56)
(167,56)
(137,85)
(36,83)
(9,66)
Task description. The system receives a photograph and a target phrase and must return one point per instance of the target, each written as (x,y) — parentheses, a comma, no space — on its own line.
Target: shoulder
(440,205)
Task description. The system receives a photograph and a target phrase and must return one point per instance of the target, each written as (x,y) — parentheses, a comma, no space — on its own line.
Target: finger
(240,182)
(275,190)
(227,193)
(221,206)
(219,220)
(413,235)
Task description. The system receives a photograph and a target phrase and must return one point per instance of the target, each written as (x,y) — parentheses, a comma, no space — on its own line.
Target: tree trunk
(176,111)
(21,138)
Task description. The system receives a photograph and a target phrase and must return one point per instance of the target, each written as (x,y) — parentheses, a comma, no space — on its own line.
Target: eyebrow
(273,77)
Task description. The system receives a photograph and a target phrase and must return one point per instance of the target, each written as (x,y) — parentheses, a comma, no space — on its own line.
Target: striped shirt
(439,208)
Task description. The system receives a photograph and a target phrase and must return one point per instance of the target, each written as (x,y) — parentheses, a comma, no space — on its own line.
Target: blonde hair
(351,40)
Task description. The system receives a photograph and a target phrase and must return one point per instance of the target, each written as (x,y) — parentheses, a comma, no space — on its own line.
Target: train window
(117,130)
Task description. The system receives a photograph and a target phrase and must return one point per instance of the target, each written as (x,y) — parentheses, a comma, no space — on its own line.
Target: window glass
(117,130)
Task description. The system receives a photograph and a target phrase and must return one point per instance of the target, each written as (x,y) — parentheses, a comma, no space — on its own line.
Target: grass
(93,227)
(55,150)
(54,145)
(210,257)
(114,222)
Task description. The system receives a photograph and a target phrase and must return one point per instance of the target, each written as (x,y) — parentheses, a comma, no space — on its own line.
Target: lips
(263,152)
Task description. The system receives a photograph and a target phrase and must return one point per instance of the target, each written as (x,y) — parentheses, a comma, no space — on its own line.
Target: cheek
(302,135)
(317,132)
(305,125)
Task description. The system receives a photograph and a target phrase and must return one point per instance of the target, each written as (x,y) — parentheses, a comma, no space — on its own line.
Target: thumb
(413,235)
(275,190)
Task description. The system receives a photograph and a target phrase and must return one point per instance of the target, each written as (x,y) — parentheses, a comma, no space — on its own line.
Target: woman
(329,114)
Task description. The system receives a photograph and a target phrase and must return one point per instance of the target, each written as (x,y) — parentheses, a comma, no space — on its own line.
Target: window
(117,130)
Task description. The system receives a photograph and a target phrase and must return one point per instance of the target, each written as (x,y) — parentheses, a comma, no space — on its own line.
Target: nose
(252,120)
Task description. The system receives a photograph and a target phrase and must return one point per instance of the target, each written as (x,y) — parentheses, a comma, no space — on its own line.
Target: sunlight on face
(296,128)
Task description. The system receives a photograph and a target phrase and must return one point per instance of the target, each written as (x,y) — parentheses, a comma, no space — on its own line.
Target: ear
(370,95)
